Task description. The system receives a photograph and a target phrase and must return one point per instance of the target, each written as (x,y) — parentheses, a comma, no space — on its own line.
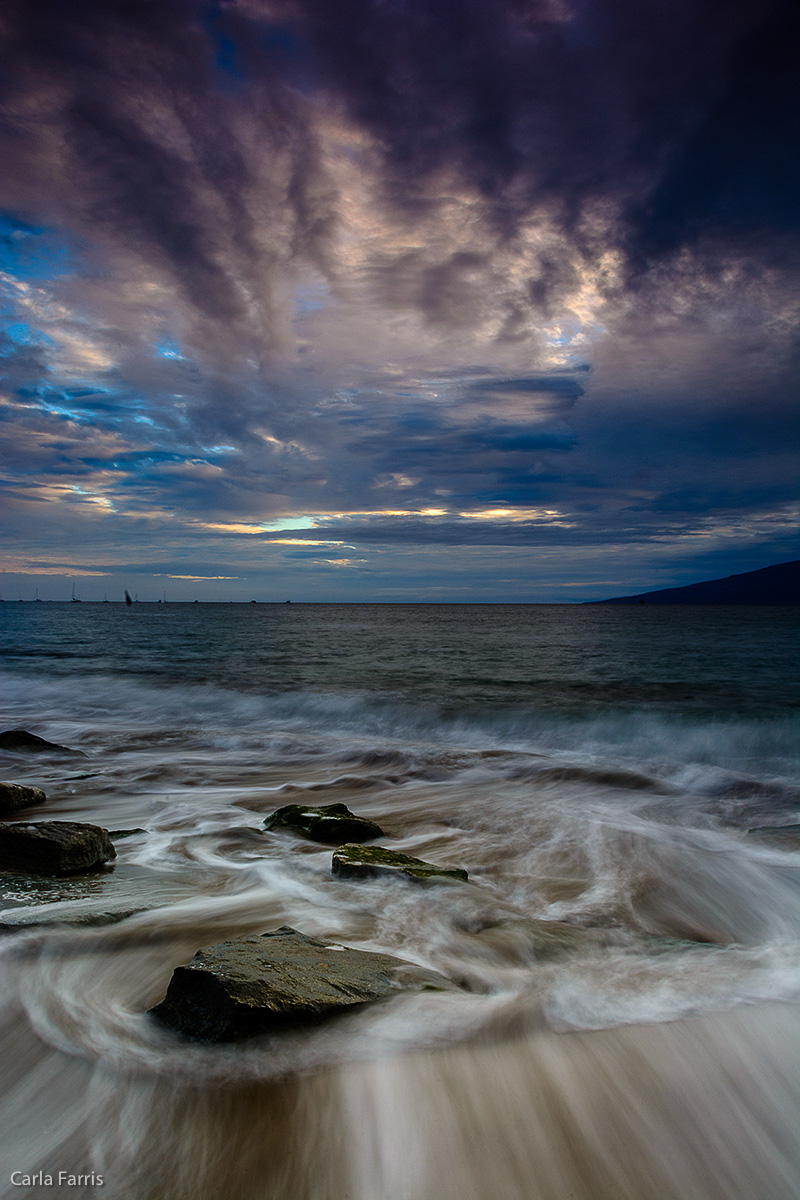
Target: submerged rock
(54,847)
(365,862)
(82,914)
(98,898)
(654,943)
(533,939)
(13,797)
(331,824)
(786,835)
(273,981)
(29,743)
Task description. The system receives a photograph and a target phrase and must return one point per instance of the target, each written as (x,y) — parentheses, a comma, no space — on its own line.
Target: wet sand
(699,1108)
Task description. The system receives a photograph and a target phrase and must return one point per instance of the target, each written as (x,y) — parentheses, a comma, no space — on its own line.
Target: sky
(396,300)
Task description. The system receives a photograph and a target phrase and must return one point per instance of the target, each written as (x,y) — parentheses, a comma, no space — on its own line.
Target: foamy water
(656,1060)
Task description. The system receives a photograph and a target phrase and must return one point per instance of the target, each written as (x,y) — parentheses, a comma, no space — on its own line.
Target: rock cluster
(273,981)
(252,985)
(336,825)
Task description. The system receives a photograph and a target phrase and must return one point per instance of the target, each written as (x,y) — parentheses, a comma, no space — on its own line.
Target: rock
(29,743)
(54,847)
(365,862)
(13,797)
(786,835)
(274,981)
(85,914)
(100,898)
(656,944)
(526,939)
(118,834)
(332,824)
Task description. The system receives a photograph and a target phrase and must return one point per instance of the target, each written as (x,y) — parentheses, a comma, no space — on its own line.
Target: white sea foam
(629,823)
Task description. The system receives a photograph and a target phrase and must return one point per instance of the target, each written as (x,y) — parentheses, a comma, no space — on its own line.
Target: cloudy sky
(396,299)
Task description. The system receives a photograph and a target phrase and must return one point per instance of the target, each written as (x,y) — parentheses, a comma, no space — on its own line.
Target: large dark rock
(54,847)
(331,824)
(274,981)
(13,797)
(365,862)
(29,743)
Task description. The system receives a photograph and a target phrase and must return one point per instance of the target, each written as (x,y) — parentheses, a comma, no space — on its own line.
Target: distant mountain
(771,585)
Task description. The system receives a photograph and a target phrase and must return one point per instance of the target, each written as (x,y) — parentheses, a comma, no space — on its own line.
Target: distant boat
(36,597)
(75,599)
(128,597)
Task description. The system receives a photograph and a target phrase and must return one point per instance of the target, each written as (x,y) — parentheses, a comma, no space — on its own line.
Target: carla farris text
(59,1179)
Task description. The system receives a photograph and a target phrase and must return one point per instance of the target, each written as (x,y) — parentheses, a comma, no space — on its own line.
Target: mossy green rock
(279,980)
(13,797)
(331,824)
(365,862)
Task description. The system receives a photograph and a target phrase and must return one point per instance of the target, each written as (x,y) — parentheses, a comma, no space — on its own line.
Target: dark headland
(771,585)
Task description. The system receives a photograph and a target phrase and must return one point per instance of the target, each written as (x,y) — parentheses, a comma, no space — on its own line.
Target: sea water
(599,766)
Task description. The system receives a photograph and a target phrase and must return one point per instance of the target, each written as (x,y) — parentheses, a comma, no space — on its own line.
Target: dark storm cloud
(737,175)
(422,442)
(183,133)
(679,110)
(116,124)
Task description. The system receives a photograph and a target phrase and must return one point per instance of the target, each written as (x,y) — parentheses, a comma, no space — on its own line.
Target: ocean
(601,766)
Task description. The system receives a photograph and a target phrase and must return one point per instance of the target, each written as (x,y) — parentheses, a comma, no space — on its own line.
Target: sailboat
(75,599)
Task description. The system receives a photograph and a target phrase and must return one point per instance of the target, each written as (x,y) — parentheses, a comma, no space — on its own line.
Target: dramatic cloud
(427,273)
